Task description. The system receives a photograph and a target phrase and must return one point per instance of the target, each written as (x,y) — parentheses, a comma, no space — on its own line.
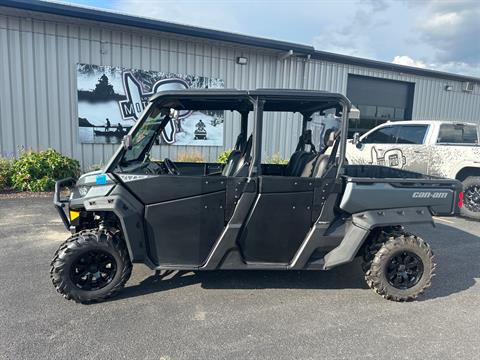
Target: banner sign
(112,99)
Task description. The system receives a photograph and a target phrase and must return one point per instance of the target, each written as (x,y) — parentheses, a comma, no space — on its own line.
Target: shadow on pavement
(348,276)
(457,254)
(456,251)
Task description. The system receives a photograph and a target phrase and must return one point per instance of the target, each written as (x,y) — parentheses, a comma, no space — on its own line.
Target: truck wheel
(471,197)
(91,265)
(399,266)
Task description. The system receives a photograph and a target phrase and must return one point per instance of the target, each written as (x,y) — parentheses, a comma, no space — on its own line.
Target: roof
(240,100)
(427,122)
(169,27)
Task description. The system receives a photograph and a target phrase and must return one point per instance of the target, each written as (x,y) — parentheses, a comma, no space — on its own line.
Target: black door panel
(275,184)
(276,227)
(159,188)
(182,232)
(235,188)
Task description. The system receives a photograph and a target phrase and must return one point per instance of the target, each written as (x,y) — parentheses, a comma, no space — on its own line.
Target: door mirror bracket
(356,140)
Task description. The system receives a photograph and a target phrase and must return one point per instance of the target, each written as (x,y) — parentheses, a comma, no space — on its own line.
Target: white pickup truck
(437,148)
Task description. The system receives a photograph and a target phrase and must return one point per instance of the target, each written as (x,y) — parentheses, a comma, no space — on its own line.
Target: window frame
(426,126)
(367,135)
(457,143)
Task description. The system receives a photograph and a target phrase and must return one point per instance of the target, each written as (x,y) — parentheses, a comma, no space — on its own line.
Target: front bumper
(61,204)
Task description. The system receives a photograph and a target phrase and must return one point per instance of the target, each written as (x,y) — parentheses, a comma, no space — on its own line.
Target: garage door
(379,100)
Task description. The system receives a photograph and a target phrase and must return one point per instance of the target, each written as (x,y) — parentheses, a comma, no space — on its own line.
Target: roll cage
(305,102)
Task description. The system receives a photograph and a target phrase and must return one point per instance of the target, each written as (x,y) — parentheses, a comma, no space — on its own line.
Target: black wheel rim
(93,270)
(404,270)
(471,198)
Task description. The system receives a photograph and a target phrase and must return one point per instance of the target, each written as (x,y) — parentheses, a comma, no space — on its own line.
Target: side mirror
(127,142)
(354,113)
(356,140)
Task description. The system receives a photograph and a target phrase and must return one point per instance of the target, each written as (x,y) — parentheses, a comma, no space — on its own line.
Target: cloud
(451,29)
(450,67)
(408,61)
(220,15)
(354,36)
(437,34)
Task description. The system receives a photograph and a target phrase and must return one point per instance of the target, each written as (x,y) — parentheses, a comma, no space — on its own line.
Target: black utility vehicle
(315,213)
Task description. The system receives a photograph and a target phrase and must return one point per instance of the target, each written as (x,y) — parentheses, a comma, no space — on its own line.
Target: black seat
(239,159)
(243,165)
(234,156)
(301,157)
(232,162)
(318,166)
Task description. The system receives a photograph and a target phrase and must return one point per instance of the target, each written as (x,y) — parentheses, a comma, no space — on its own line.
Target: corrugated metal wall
(38,100)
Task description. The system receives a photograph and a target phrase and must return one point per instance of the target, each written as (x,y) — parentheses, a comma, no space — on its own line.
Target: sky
(441,35)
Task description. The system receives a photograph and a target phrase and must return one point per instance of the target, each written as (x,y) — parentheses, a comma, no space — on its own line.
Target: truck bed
(372,187)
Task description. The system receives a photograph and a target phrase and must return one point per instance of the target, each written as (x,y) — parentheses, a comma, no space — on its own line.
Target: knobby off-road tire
(91,265)
(471,198)
(398,266)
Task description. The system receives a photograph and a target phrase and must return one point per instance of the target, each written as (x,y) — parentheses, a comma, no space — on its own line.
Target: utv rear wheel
(91,265)
(399,266)
(471,197)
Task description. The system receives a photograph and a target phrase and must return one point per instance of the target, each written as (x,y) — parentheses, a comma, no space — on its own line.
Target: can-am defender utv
(315,213)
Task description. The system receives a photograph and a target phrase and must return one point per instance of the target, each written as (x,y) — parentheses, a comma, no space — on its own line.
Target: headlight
(83,190)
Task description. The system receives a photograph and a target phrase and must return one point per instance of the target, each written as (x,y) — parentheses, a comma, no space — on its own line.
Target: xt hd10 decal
(111,100)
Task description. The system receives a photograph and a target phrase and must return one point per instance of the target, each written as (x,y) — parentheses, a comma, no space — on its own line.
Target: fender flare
(463,165)
(129,212)
(362,225)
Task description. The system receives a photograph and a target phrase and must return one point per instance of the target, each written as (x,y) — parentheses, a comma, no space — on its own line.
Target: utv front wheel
(91,265)
(399,266)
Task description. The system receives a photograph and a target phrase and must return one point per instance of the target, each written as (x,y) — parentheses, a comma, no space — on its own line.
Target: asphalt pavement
(234,314)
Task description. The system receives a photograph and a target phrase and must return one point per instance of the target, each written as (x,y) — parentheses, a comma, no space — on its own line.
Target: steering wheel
(171,167)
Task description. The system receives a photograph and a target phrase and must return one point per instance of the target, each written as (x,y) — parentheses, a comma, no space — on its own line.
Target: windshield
(145,135)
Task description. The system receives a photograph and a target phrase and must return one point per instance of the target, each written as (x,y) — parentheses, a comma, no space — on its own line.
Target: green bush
(223,157)
(5,173)
(277,159)
(38,171)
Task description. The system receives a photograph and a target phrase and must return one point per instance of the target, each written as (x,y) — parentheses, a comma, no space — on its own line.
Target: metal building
(41,44)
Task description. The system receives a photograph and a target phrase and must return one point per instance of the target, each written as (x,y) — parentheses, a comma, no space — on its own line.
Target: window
(470,134)
(411,134)
(457,134)
(367,111)
(144,136)
(385,113)
(385,135)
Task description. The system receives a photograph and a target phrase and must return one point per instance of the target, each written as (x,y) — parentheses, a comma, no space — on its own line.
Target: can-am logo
(132,107)
(429,195)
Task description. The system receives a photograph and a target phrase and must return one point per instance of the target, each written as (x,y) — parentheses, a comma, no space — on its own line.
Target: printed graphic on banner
(111,100)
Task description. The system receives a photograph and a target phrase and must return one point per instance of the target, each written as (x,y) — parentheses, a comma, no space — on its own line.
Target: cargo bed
(369,187)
